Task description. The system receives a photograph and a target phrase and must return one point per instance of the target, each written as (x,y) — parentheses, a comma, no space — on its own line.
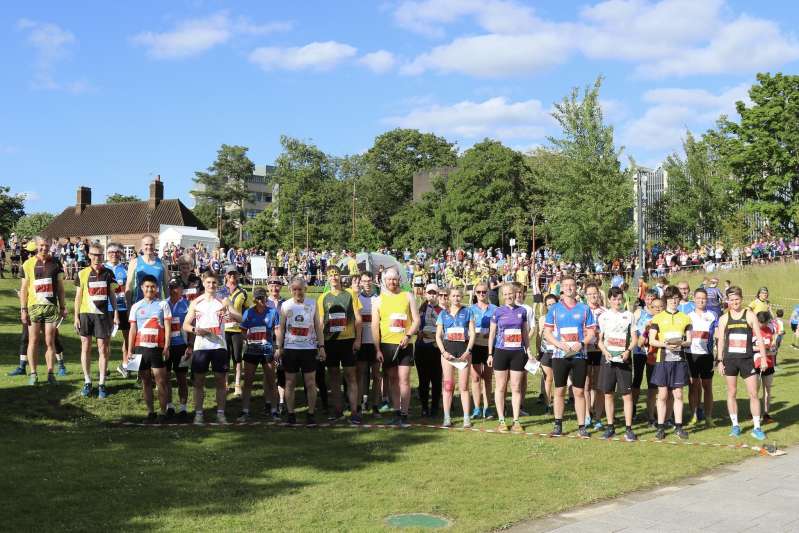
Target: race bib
(176,327)
(299,332)
(257,335)
(396,322)
(366,319)
(148,337)
(673,336)
(512,338)
(699,341)
(191,293)
(456,334)
(43,288)
(98,291)
(337,322)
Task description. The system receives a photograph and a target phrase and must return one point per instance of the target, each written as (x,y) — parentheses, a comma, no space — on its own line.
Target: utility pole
(640,184)
(353,214)
(307,230)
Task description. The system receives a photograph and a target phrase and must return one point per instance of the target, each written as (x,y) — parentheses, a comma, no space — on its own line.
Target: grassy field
(69,466)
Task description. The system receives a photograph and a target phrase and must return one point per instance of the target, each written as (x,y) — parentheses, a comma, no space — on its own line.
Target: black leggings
(428,368)
(23,342)
(639,366)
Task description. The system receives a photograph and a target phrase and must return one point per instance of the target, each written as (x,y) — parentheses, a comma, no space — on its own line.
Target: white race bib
(456,334)
(512,338)
(396,322)
(337,322)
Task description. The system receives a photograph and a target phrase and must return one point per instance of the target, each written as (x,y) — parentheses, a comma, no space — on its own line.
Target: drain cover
(418,521)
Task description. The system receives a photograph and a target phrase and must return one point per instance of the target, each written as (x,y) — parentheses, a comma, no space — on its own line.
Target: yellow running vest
(395,316)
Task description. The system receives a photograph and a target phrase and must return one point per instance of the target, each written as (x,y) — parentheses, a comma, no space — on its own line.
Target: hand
(187,354)
(76,323)
(607,355)
(165,352)
(356,346)
(116,317)
(24,318)
(404,342)
(322,353)
(625,355)
(379,356)
(202,332)
(490,361)
(63,312)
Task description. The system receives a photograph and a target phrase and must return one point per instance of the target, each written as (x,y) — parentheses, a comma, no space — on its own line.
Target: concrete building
(655,183)
(423,181)
(263,188)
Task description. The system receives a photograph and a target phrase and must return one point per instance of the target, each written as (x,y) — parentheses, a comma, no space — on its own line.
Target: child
(780,326)
(768,331)
(794,322)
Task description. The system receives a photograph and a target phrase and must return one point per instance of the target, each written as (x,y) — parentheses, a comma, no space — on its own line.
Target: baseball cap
(259,294)
(174,282)
(31,246)
(275,281)
(231,269)
(431,287)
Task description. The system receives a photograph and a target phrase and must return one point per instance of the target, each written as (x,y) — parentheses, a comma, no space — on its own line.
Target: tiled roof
(120,219)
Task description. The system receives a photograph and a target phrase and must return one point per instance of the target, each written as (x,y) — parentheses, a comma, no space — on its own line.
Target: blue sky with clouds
(108,94)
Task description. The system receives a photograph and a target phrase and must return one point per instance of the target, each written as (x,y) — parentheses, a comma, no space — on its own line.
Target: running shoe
(51,379)
(62,370)
(598,425)
(522,412)
(151,418)
(767,419)
(557,431)
(488,413)
(709,423)
(502,428)
(310,420)
(384,408)
(404,422)
(199,419)
(467,423)
(19,371)
(275,416)
(609,433)
(735,431)
(661,434)
(336,415)
(693,421)
(652,423)
(291,419)
(102,393)
(477,412)
(681,433)
(183,416)
(243,417)
(356,420)
(588,420)
(86,390)
(122,371)
(221,419)
(170,411)
(629,436)
(700,413)
(517,427)
(447,423)
(758,434)
(583,433)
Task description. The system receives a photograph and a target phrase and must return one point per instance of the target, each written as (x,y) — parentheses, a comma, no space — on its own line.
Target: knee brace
(449,385)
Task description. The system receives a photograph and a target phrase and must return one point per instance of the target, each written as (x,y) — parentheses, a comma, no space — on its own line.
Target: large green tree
(762,149)
(118,198)
(12,208)
(225,182)
(486,195)
(33,224)
(590,200)
(423,223)
(208,214)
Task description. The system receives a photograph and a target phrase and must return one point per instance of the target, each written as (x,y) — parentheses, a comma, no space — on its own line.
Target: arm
(62,302)
(375,325)
(472,334)
(189,320)
(761,346)
(492,335)
(440,341)
(319,329)
(167,333)
(132,338)
(633,342)
(526,339)
(601,345)
(279,336)
(76,310)
(164,289)
(358,323)
(415,321)
(23,301)
(720,340)
(129,282)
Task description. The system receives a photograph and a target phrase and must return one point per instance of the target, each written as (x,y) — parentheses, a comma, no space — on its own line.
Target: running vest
(616,327)
(97,288)
(260,328)
(482,322)
(143,268)
(338,314)
(179,311)
(509,322)
(395,316)
(208,313)
(238,298)
(120,272)
(300,332)
(429,317)
(456,327)
(738,337)
(670,326)
(366,319)
(43,278)
(593,346)
(703,324)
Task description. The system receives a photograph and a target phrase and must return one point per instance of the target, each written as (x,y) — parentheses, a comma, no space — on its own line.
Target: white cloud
(194,36)
(493,55)
(743,46)
(673,111)
(378,62)
(497,16)
(495,117)
(314,56)
(31,196)
(52,44)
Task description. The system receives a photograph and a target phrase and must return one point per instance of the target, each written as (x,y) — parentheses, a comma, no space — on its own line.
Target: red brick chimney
(84,199)
(156,192)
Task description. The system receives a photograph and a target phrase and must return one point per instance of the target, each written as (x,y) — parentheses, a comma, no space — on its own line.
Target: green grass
(68,466)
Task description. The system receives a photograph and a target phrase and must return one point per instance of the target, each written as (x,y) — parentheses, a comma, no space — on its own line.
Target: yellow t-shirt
(96,289)
(43,279)
(757,305)
(395,316)
(670,326)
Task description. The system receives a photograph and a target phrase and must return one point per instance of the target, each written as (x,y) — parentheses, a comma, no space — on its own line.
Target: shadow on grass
(98,476)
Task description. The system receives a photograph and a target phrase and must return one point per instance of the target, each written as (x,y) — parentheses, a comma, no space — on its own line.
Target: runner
(42,305)
(427,355)
(147,263)
(686,305)
(300,327)
(768,332)
(455,335)
(715,299)
(260,323)
(150,326)
(616,341)
(367,366)
(395,319)
(700,359)
(340,314)
(545,351)
(508,352)
(641,318)
(120,271)
(521,294)
(594,401)
(737,329)
(192,285)
(274,287)
(96,289)
(234,338)
(180,351)
(670,334)
(482,375)
(794,321)
(205,319)
(760,303)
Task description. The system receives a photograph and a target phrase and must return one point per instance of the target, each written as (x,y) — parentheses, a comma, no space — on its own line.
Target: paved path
(760,494)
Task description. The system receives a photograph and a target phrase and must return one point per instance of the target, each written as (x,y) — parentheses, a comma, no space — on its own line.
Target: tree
(12,208)
(485,196)
(423,223)
(224,183)
(590,200)
(387,186)
(31,225)
(262,230)
(208,215)
(118,198)
(762,150)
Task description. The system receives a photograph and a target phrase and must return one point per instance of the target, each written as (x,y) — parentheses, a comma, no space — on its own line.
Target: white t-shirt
(208,314)
(616,330)
(300,333)
(702,324)
(366,319)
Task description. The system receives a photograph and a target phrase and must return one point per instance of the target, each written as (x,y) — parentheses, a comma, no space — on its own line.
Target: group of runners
(356,343)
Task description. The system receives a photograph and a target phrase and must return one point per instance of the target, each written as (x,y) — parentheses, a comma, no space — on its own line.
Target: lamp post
(293,240)
(307,230)
(640,199)
(353,213)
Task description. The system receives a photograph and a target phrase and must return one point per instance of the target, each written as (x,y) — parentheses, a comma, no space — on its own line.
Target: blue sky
(108,94)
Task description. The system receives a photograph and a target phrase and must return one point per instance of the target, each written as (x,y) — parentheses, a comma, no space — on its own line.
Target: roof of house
(121,218)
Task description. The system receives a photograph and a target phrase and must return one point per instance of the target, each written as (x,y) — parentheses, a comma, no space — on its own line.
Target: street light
(220,212)
(307,229)
(640,181)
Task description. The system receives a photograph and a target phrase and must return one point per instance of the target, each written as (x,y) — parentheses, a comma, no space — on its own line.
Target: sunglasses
(432,292)
(479,292)
(96,255)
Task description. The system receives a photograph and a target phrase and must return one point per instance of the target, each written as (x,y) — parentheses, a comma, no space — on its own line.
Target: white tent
(186,236)
(371,262)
